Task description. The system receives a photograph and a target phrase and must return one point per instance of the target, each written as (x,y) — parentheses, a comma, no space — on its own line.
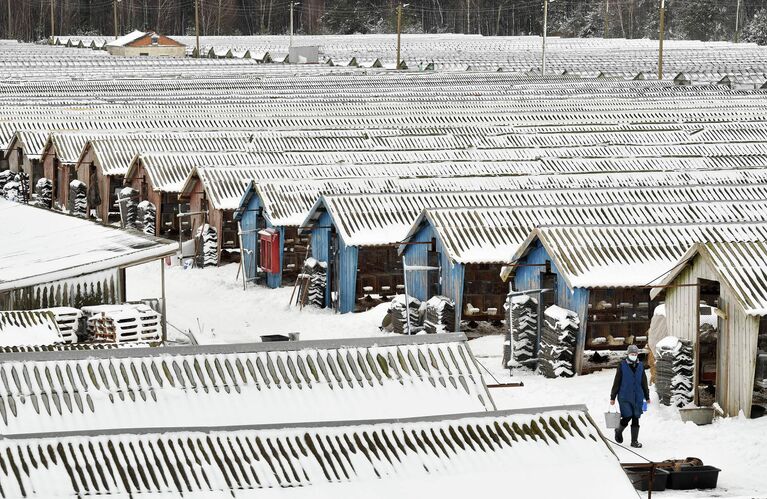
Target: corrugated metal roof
(288,202)
(493,235)
(379,219)
(629,256)
(741,265)
(81,246)
(329,380)
(465,453)
(29,327)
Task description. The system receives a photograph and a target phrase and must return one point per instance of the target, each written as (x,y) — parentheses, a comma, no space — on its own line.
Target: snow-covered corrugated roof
(447,456)
(127,39)
(629,256)
(41,246)
(493,235)
(227,385)
(379,219)
(741,265)
(27,328)
(288,202)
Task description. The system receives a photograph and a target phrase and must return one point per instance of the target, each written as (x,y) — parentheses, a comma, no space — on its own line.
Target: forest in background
(685,19)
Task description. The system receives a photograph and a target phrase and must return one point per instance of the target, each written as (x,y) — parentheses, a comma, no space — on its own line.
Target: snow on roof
(741,265)
(493,235)
(127,39)
(26,328)
(446,456)
(378,219)
(629,256)
(41,246)
(262,383)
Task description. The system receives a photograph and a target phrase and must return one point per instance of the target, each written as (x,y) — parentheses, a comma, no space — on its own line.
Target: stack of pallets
(558,337)
(68,320)
(132,323)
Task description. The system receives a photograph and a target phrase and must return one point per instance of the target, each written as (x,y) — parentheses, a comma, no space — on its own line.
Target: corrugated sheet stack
(681,383)
(558,337)
(208,237)
(524,327)
(78,198)
(399,307)
(147,214)
(440,315)
(318,281)
(44,192)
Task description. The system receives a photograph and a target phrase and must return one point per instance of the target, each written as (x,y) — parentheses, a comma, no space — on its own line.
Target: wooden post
(498,21)
(10,28)
(197,25)
(662,29)
(737,22)
(399,34)
(163,308)
(607,18)
(53,20)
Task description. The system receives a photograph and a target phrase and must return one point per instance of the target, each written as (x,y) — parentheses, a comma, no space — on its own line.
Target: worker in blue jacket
(630,386)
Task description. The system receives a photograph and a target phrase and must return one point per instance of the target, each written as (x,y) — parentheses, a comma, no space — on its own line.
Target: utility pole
(53,20)
(468,17)
(197,25)
(737,22)
(660,37)
(545,29)
(607,17)
(114,14)
(397,63)
(498,21)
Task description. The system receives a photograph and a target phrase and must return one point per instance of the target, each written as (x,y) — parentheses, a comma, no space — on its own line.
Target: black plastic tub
(693,477)
(274,337)
(640,478)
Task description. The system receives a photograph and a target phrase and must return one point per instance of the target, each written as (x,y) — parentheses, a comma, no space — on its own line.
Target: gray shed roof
(741,265)
(225,385)
(42,246)
(446,455)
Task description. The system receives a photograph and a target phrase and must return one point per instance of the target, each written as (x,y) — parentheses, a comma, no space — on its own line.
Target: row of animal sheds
(169,421)
(457,52)
(168,179)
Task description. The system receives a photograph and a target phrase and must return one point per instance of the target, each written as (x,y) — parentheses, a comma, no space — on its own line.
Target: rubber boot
(619,434)
(634,437)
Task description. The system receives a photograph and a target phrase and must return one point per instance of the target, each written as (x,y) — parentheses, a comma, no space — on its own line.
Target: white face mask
(633,357)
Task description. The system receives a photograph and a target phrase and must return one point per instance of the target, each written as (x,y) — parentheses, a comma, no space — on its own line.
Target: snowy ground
(212,304)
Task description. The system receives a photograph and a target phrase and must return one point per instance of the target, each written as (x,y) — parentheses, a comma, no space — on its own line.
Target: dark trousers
(634,421)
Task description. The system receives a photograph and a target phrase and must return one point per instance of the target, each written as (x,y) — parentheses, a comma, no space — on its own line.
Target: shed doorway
(707,342)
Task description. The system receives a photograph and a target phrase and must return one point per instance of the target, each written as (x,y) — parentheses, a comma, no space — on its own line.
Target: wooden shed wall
(738,335)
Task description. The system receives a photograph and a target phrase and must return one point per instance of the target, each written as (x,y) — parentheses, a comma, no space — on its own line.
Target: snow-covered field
(212,304)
